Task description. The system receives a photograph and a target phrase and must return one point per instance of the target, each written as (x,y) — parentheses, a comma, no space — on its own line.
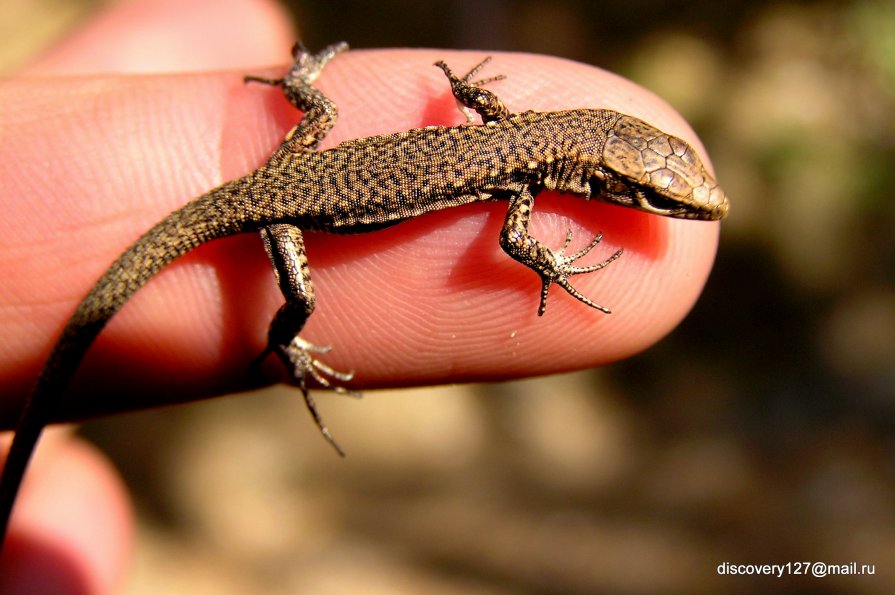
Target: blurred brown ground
(761,431)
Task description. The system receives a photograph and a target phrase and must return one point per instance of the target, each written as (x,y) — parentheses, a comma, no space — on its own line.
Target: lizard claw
(312,407)
(563,268)
(298,357)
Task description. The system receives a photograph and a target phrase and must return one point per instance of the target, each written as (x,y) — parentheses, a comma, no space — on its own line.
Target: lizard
(369,183)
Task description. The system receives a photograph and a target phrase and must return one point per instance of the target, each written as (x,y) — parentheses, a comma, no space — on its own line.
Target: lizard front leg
(553,266)
(286,250)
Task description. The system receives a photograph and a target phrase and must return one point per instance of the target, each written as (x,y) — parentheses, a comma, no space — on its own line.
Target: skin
(125,151)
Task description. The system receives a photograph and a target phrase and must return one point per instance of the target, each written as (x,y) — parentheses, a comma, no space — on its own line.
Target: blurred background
(762,430)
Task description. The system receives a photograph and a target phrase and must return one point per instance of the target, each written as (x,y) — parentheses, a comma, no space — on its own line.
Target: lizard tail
(221,212)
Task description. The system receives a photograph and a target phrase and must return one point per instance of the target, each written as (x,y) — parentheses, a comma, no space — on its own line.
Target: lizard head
(644,168)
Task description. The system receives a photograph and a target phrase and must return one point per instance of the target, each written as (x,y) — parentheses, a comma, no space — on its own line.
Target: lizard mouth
(653,202)
(638,197)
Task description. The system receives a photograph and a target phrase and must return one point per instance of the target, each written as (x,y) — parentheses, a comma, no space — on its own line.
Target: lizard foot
(306,67)
(563,268)
(299,357)
(471,96)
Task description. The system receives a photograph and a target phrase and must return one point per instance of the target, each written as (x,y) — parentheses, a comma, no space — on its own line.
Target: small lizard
(370,183)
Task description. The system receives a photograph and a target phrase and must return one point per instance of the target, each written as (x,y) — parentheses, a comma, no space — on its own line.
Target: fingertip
(71,530)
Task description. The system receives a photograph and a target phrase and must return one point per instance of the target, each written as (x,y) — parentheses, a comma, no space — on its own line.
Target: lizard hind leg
(285,248)
(471,96)
(320,113)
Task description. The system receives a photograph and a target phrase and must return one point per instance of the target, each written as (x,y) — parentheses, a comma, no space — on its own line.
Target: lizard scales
(369,183)
(389,178)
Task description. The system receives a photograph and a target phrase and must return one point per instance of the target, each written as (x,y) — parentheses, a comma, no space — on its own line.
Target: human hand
(431,300)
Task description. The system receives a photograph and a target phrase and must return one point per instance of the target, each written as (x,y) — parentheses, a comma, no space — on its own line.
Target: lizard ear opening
(606,187)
